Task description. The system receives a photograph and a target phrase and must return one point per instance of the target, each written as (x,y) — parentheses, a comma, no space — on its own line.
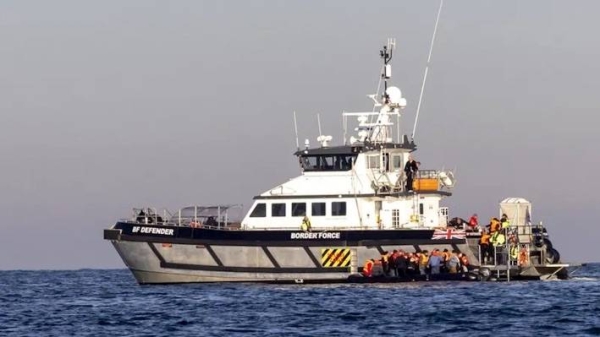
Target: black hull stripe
(312,257)
(271,257)
(214,255)
(157,253)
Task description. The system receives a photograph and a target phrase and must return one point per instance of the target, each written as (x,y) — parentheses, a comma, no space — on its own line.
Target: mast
(392,100)
(386,55)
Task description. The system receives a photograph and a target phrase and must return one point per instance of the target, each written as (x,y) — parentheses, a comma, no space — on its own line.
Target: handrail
(227,226)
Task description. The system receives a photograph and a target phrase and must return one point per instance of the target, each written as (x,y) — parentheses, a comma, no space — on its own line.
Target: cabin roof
(354,149)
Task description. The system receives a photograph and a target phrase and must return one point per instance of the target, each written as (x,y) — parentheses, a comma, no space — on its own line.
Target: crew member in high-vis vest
(514,253)
(498,239)
(306,226)
(385,263)
(504,222)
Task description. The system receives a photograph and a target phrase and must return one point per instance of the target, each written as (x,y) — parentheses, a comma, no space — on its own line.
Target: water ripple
(109,302)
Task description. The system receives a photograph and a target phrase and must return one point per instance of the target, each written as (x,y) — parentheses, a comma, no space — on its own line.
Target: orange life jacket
(485,239)
(522,261)
(495,226)
(368,268)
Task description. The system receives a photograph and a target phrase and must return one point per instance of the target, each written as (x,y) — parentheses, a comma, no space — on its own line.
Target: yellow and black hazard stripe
(335,257)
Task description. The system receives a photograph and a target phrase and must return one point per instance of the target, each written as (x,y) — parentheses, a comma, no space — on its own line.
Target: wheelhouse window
(338,208)
(278,210)
(396,162)
(318,209)
(259,211)
(327,163)
(373,161)
(298,209)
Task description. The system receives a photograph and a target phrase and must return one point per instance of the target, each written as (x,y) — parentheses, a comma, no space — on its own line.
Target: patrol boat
(351,202)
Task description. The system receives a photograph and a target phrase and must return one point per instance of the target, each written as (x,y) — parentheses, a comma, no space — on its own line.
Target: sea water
(111,303)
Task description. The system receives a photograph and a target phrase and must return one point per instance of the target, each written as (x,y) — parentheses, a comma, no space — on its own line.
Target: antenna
(437,20)
(319,122)
(386,54)
(324,140)
(296,130)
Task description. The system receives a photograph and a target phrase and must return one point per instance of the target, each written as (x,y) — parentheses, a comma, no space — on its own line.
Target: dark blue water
(109,302)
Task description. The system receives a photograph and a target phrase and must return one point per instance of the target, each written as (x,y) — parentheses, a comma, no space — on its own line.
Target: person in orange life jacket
(484,244)
(410,168)
(494,225)
(523,259)
(367,270)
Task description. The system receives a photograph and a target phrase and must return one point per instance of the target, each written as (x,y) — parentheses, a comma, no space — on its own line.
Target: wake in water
(584,278)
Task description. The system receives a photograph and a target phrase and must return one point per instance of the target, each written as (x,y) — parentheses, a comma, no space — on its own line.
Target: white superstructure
(361,184)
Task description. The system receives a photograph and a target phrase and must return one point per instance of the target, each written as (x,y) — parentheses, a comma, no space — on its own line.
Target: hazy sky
(110,105)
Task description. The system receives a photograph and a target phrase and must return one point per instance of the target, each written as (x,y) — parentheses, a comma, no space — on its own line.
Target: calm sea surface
(110,303)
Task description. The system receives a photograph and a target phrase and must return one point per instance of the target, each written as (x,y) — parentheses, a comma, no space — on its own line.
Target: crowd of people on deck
(493,244)
(402,264)
(493,250)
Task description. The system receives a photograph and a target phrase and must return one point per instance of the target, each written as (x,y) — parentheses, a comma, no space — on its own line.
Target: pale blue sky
(110,105)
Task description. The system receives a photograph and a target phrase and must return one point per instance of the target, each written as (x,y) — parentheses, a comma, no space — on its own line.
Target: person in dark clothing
(411,168)
(402,265)
(457,223)
(211,222)
(392,262)
(141,217)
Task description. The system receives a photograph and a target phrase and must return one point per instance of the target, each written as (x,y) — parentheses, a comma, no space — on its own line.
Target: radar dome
(395,95)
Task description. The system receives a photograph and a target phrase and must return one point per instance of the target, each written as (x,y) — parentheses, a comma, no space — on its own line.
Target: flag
(448,234)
